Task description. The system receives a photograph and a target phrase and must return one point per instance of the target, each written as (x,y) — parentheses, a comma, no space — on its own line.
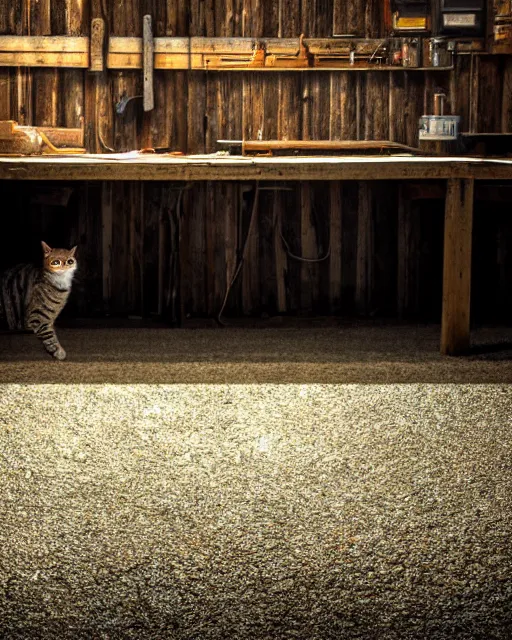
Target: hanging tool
(147,63)
(97,44)
(148,55)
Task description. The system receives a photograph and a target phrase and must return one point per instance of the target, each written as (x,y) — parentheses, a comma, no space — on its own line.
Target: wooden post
(457,266)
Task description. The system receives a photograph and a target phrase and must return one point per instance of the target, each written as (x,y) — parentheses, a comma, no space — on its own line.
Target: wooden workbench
(460,174)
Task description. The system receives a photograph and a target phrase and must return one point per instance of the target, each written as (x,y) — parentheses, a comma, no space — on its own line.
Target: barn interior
(286,405)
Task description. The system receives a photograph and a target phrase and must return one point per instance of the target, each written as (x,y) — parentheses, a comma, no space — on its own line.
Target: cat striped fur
(31,297)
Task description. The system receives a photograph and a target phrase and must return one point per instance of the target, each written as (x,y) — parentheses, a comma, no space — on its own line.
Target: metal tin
(440,55)
(410,52)
(439,127)
(462,17)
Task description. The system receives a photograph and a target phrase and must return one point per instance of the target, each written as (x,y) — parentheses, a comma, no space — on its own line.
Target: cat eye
(55,263)
(71,261)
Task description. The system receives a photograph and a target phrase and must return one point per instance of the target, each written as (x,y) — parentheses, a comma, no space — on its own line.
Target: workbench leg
(458,226)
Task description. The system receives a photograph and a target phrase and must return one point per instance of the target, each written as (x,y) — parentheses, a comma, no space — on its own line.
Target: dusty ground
(368,354)
(322,483)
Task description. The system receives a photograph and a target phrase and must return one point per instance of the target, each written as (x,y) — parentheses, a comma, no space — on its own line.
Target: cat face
(58,260)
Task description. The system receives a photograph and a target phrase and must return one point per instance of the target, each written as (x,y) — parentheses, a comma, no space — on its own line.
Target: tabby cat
(32,297)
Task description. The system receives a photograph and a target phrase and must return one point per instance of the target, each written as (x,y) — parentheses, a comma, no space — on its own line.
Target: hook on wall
(123,103)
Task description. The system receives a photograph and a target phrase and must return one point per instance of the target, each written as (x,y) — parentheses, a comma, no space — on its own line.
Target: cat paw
(60,354)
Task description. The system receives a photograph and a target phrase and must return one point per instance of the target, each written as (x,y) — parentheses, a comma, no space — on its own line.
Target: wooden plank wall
(150,248)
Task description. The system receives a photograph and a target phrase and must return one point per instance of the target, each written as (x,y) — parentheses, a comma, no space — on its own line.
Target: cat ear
(73,251)
(46,248)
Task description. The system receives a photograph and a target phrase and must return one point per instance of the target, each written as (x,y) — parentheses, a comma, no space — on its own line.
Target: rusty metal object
(439,99)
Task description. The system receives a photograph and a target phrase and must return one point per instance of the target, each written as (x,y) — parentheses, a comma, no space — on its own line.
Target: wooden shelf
(368,68)
(207,54)
(254,54)
(44,51)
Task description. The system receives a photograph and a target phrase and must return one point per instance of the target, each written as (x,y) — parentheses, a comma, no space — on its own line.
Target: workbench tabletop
(140,166)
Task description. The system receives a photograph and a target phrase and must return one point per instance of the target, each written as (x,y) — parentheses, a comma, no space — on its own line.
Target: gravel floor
(330,483)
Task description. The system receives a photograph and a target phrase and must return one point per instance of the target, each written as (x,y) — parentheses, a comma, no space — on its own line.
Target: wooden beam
(457,267)
(185,46)
(327,146)
(44,51)
(44,44)
(44,59)
(268,54)
(157,167)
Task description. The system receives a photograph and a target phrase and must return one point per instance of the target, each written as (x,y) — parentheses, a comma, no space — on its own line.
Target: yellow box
(410,23)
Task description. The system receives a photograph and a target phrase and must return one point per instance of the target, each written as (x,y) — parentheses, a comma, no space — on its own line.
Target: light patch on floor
(255,510)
